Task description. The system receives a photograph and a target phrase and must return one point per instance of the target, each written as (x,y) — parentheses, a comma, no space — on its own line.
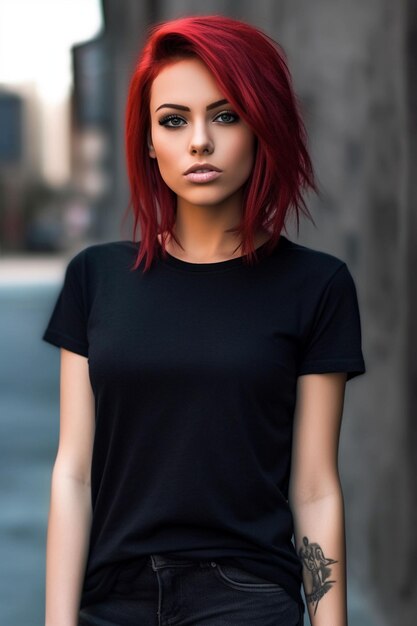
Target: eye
(168,118)
(230,113)
(173,119)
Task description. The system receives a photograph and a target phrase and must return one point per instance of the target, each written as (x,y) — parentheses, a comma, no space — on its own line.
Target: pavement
(29,431)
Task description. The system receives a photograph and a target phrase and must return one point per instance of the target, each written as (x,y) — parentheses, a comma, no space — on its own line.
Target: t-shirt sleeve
(334,341)
(67,326)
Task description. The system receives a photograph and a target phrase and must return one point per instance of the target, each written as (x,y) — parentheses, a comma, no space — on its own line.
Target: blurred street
(29,428)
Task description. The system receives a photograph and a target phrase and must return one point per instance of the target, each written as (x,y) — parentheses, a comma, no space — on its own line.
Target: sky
(36,37)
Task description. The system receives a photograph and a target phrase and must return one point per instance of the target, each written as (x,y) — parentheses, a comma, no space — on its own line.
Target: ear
(151,148)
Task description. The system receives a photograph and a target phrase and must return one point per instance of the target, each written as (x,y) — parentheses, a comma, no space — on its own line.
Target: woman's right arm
(70,511)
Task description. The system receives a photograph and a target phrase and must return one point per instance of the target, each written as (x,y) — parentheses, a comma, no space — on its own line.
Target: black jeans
(171,591)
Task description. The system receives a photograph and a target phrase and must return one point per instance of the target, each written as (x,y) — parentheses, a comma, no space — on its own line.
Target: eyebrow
(181,107)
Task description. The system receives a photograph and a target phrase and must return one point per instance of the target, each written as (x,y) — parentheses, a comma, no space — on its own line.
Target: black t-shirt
(194,370)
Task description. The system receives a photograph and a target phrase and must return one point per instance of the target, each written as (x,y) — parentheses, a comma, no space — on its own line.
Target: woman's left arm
(316,498)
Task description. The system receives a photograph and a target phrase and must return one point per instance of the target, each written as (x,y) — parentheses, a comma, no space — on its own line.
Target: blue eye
(230,113)
(169,118)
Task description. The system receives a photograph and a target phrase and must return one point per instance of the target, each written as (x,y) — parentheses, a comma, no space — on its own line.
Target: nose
(201,141)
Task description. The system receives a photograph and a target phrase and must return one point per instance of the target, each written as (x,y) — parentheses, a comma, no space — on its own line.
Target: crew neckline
(216,266)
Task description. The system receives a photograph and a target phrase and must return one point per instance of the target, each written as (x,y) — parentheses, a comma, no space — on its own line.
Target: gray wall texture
(354,70)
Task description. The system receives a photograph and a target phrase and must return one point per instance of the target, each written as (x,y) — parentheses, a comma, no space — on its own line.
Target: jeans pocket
(238,578)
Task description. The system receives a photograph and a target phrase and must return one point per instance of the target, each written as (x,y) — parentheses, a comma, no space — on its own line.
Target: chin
(205,199)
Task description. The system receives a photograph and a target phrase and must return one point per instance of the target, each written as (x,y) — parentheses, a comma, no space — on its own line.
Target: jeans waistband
(161,560)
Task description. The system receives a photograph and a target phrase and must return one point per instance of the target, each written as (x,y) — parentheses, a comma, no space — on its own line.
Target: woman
(203,368)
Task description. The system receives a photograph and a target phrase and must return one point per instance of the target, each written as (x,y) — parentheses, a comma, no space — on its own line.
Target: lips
(202,177)
(202,167)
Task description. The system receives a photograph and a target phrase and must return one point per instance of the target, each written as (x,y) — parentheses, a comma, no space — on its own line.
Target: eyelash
(165,119)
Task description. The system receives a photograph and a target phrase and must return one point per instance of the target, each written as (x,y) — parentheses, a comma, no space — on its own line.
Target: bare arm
(70,512)
(316,497)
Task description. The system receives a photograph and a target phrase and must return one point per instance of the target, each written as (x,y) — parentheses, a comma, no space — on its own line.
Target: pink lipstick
(202,177)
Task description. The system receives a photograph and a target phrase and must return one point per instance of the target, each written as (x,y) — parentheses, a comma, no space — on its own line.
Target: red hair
(251,69)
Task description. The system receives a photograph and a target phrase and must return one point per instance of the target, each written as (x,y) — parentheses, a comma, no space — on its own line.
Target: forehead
(187,81)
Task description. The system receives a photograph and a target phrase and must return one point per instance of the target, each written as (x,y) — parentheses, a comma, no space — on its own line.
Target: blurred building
(41,207)
(91,123)
(11,164)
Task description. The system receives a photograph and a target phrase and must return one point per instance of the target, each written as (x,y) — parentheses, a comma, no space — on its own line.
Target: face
(209,131)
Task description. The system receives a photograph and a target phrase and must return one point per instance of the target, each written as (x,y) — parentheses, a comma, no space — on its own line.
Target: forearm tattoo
(317,565)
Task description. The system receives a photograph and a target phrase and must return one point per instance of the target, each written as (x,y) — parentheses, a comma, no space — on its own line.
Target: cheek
(166,153)
(244,154)
(162,146)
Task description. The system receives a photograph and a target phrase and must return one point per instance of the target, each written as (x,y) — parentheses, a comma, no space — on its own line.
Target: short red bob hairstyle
(251,70)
